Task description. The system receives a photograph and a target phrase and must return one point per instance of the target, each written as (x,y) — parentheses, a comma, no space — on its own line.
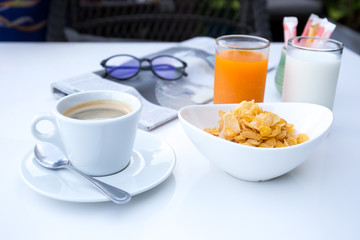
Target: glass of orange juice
(240,68)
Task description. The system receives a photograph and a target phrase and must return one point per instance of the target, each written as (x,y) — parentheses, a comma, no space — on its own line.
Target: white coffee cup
(96,147)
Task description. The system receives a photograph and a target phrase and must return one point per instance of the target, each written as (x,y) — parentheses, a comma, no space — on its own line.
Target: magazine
(161,98)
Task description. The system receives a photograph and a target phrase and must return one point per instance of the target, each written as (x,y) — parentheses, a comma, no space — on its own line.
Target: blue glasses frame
(158,69)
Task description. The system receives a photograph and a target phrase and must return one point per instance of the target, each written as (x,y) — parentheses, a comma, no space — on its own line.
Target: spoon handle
(114,194)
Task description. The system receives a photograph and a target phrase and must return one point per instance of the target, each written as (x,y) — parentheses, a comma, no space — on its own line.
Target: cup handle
(50,137)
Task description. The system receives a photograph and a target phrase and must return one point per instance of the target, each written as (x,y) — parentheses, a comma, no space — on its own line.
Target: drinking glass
(311,70)
(240,68)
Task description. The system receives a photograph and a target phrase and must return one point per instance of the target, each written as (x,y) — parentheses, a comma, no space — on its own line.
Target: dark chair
(156,20)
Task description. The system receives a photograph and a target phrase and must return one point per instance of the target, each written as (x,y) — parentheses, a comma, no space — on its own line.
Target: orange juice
(239,75)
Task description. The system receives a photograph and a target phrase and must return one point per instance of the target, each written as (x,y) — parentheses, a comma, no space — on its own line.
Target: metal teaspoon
(51,157)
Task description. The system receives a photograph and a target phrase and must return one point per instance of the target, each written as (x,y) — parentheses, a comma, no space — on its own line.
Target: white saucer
(152,162)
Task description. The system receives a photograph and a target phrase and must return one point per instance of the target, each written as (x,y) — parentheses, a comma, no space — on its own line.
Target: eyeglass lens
(124,67)
(167,67)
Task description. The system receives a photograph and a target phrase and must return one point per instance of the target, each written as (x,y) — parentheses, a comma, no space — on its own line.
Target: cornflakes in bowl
(256,142)
(249,125)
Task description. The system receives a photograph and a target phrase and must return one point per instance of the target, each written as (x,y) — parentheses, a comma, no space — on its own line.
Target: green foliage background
(346,12)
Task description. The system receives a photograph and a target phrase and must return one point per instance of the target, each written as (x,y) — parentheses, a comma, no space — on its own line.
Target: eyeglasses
(125,66)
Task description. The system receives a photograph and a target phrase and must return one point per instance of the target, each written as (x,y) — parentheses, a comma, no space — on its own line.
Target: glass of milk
(311,70)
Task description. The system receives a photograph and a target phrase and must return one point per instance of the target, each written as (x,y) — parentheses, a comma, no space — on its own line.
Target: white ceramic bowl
(252,163)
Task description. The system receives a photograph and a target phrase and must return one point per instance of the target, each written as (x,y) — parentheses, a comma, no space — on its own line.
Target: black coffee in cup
(98,110)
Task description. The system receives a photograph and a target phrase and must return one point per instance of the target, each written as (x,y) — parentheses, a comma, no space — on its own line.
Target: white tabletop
(318,200)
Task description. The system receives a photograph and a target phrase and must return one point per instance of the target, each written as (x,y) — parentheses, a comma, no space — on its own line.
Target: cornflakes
(248,124)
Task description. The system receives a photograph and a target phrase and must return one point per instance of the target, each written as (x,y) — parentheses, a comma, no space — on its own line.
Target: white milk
(311,77)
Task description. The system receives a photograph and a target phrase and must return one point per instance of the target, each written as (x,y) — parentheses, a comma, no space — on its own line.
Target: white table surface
(318,200)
